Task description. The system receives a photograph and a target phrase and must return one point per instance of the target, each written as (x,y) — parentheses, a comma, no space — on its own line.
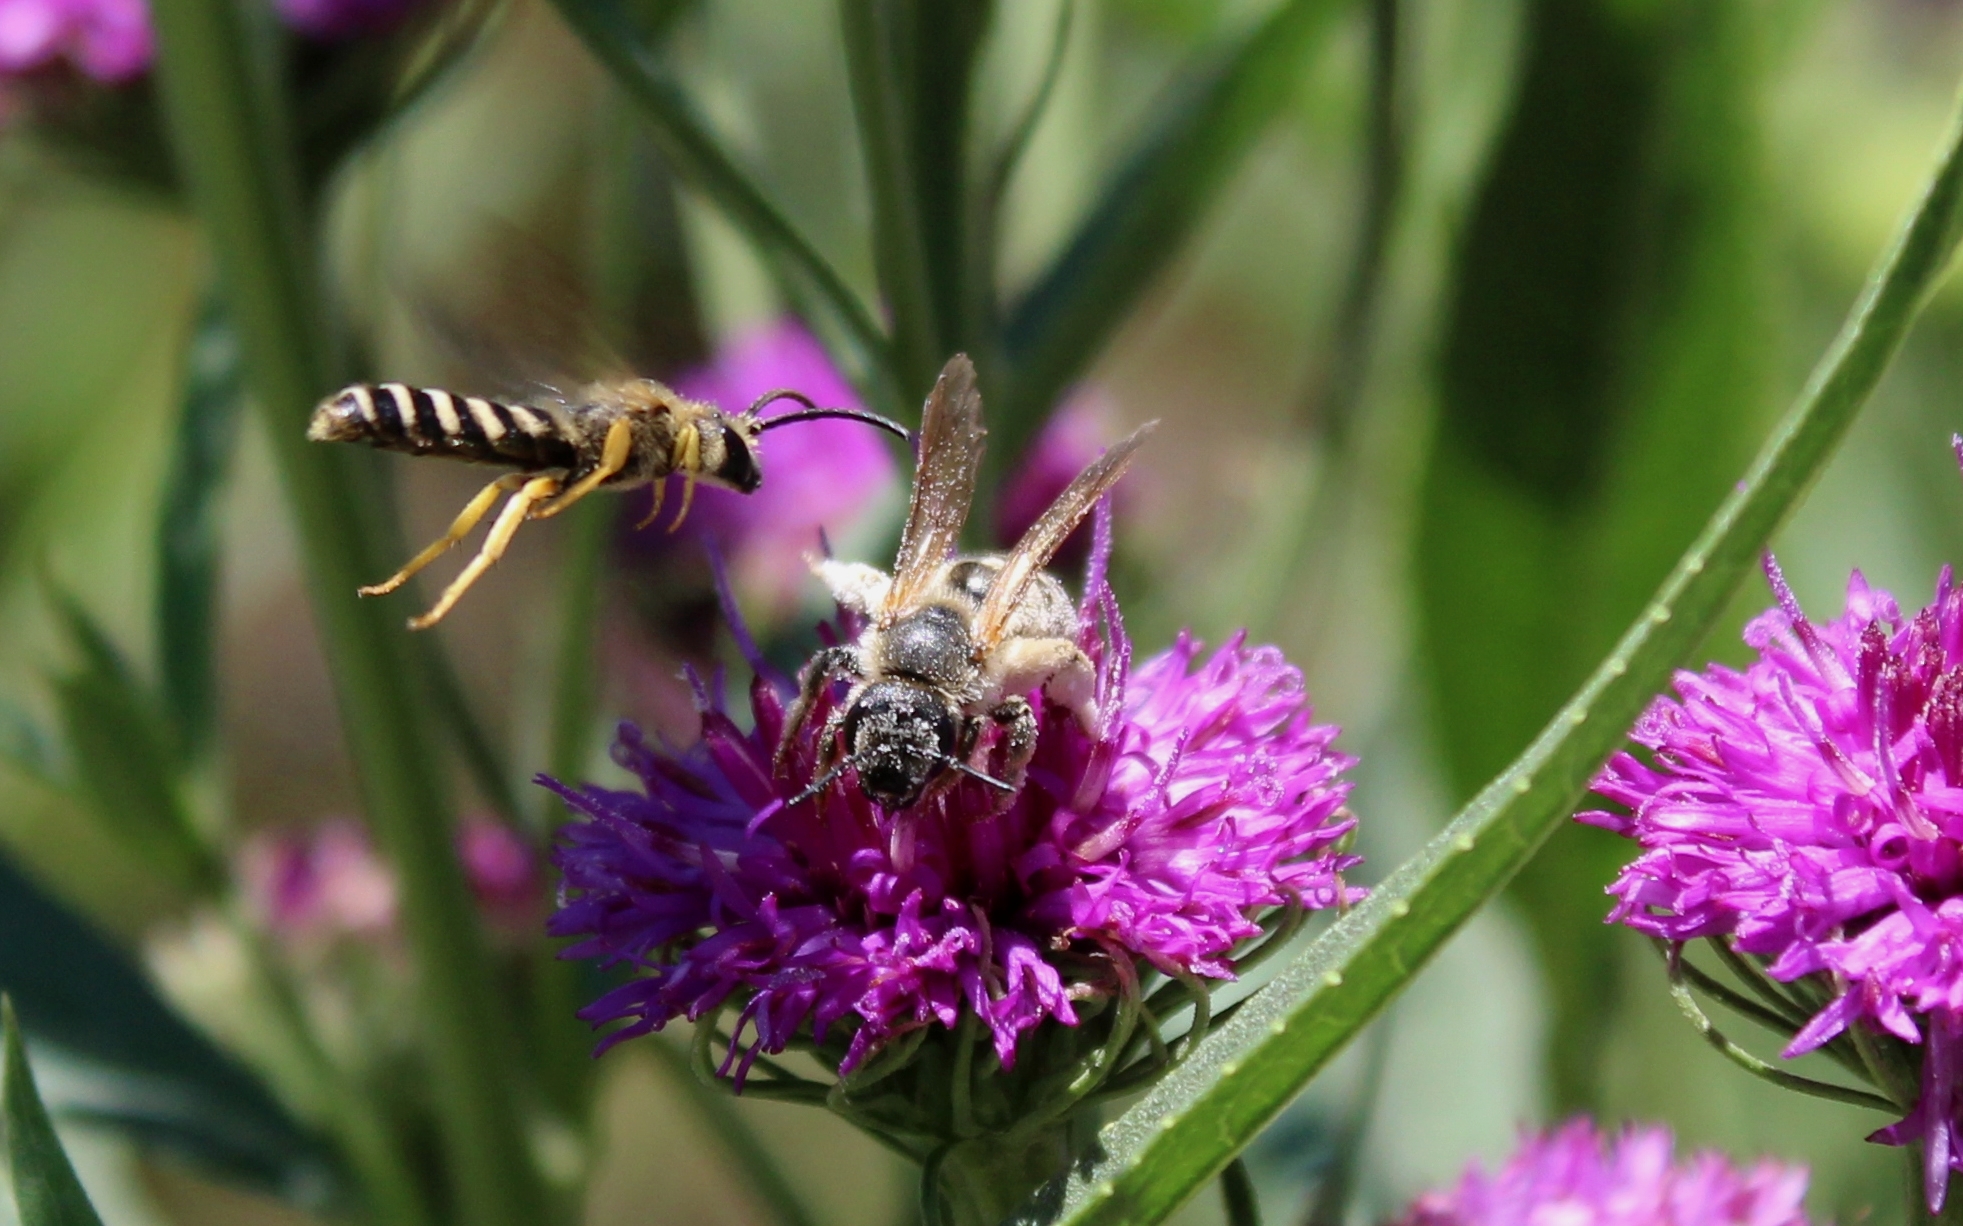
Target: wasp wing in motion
(951,436)
(1033,552)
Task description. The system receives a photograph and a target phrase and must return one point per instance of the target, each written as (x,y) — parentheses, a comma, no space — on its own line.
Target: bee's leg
(613,461)
(687,460)
(660,488)
(1017,719)
(515,512)
(1056,665)
(823,667)
(459,528)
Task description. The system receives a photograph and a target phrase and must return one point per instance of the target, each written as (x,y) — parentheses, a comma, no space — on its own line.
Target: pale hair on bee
(616,434)
(953,643)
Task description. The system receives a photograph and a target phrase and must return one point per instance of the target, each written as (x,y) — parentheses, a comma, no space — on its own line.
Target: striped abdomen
(429,421)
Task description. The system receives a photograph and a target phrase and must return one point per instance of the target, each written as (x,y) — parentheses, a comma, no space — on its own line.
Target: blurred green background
(1449,376)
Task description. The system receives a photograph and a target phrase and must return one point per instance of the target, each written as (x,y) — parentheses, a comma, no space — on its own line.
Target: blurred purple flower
(1576,1177)
(1207,794)
(108,40)
(320,886)
(1076,434)
(111,40)
(1810,809)
(819,477)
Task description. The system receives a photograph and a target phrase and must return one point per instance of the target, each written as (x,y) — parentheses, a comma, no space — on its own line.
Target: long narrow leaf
(1162,1150)
(1201,129)
(46,1191)
(187,529)
(684,139)
(159,1078)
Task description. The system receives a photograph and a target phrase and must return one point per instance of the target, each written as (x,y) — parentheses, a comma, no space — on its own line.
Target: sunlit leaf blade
(1197,135)
(122,756)
(1601,383)
(683,137)
(1187,1129)
(46,1191)
(187,529)
(148,1071)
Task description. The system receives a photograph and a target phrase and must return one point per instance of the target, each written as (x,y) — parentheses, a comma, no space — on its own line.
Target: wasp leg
(613,461)
(660,487)
(515,512)
(823,667)
(686,460)
(1017,719)
(459,528)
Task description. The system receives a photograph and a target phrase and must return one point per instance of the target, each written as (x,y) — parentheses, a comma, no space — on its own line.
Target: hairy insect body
(953,645)
(666,432)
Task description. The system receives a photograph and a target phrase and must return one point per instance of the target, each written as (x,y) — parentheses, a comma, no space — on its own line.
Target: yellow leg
(613,460)
(687,462)
(515,512)
(459,528)
(654,511)
(688,500)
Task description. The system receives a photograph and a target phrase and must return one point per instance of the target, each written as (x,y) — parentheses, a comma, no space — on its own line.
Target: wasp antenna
(815,414)
(820,783)
(782,393)
(983,776)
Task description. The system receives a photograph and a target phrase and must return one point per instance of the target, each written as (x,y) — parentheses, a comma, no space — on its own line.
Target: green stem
(761,1173)
(1237,1194)
(234,152)
(371,1143)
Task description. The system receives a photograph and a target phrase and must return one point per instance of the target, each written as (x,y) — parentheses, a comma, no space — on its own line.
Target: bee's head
(728,450)
(900,737)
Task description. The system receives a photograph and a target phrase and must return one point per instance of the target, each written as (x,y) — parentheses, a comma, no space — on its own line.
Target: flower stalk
(235,152)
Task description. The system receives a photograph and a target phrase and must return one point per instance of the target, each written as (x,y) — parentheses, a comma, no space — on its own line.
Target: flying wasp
(952,643)
(614,434)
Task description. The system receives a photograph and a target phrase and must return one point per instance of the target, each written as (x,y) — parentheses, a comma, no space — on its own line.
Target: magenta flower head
(821,478)
(106,40)
(1809,810)
(1575,1176)
(950,937)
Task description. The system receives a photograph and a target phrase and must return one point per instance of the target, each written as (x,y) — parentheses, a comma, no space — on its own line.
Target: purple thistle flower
(111,41)
(107,40)
(820,477)
(1810,810)
(1575,1176)
(1206,795)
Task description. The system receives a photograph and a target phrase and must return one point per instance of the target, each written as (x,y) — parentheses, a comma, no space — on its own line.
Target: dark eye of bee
(739,466)
(971,579)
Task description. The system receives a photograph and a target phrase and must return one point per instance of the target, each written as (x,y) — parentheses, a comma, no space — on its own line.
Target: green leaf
(122,758)
(46,1191)
(1602,381)
(1161,1151)
(150,1073)
(29,748)
(1200,129)
(188,529)
(683,137)
(912,67)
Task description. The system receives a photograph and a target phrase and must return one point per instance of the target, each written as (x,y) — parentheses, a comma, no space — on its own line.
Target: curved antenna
(820,783)
(812,412)
(972,773)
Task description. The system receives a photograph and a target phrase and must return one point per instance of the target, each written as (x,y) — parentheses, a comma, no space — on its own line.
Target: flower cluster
(1810,810)
(1205,794)
(1576,1177)
(314,888)
(111,41)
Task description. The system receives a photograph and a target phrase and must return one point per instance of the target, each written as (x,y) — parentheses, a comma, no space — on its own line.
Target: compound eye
(738,469)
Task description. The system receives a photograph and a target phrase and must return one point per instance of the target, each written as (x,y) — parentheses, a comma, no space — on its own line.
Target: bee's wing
(951,436)
(1033,552)
(529,330)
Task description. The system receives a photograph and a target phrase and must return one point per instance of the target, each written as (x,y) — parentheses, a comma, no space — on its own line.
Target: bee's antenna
(820,783)
(812,412)
(972,773)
